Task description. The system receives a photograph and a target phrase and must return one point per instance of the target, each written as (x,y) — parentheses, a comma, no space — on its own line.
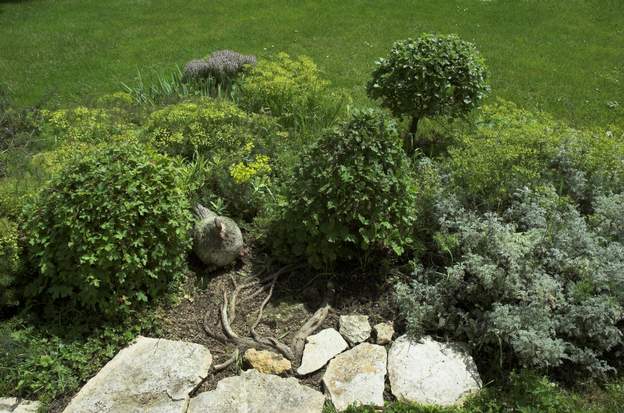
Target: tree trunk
(411,138)
(414,126)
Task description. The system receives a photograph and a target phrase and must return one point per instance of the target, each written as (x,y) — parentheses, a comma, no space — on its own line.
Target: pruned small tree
(430,76)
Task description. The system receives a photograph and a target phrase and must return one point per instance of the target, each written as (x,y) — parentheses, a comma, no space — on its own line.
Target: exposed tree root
(227,315)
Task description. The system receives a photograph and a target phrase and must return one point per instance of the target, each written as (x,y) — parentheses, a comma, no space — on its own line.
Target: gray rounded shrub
(221,66)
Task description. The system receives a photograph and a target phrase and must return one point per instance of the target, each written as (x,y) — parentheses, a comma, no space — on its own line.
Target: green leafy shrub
(110,230)
(234,153)
(292,90)
(46,361)
(82,124)
(536,286)
(351,194)
(9,263)
(204,126)
(430,76)
(510,148)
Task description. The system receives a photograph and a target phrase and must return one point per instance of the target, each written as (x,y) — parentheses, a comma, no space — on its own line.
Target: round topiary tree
(351,195)
(110,230)
(429,76)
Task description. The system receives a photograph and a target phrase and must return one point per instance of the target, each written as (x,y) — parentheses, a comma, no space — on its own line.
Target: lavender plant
(222,66)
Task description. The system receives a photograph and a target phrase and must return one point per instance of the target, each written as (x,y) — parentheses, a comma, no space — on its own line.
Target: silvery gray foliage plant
(222,65)
(540,285)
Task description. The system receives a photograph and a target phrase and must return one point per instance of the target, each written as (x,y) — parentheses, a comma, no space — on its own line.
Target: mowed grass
(562,56)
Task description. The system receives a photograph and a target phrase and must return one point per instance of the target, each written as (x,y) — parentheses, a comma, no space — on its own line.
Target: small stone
(355,328)
(151,375)
(383,333)
(357,377)
(430,372)
(15,405)
(254,392)
(321,348)
(266,361)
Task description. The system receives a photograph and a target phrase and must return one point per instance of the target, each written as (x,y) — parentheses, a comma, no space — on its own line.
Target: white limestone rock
(430,372)
(383,333)
(254,392)
(319,349)
(355,328)
(15,405)
(151,375)
(357,377)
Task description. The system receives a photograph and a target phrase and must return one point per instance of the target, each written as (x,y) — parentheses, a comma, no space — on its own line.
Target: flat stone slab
(355,328)
(357,377)
(319,349)
(430,372)
(267,361)
(151,375)
(15,405)
(255,392)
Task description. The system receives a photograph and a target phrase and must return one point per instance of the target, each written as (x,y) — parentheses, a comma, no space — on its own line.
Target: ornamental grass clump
(110,230)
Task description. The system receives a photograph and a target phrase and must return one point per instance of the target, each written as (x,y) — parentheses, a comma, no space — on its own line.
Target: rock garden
(242,238)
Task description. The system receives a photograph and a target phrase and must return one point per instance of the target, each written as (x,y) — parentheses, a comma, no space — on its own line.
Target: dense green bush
(352,194)
(110,230)
(292,90)
(205,126)
(46,361)
(234,153)
(84,125)
(9,263)
(430,76)
(510,148)
(536,286)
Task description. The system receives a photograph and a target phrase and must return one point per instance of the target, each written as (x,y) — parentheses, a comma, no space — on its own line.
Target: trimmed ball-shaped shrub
(351,195)
(110,230)
(9,262)
(430,76)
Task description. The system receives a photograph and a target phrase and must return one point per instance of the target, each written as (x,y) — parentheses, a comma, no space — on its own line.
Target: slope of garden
(488,225)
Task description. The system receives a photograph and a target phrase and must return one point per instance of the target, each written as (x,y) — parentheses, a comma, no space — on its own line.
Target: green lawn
(563,56)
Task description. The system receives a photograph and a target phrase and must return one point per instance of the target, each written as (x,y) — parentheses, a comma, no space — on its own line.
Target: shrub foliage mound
(110,230)
(351,194)
(536,285)
(9,263)
(233,151)
(510,148)
(292,90)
